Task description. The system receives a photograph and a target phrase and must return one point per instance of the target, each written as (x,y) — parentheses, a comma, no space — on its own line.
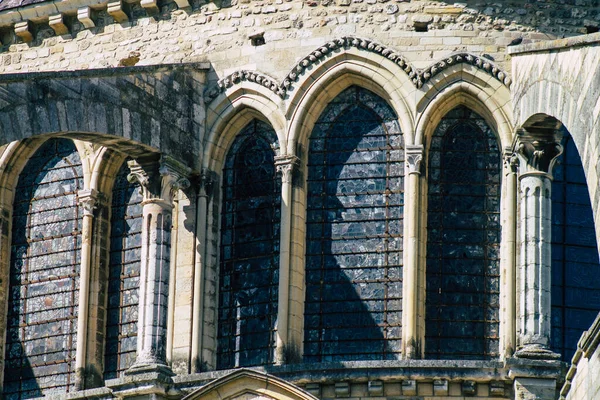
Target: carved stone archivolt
(418,77)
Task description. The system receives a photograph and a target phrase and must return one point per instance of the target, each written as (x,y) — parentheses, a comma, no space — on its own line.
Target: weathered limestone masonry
(170,85)
(76,35)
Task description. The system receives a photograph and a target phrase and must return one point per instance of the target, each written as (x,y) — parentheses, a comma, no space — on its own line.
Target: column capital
(285,165)
(88,200)
(206,180)
(414,156)
(160,179)
(511,160)
(537,149)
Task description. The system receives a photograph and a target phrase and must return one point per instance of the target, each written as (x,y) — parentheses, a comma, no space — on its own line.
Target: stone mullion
(285,166)
(87,200)
(411,342)
(537,153)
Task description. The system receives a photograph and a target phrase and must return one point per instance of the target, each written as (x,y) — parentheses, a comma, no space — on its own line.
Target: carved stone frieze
(417,77)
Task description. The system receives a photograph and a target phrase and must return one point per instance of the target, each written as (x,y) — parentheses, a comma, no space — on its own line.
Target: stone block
(375,388)
(409,387)
(440,387)
(342,389)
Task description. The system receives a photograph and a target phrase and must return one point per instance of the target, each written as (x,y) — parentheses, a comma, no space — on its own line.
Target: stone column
(159,185)
(508,258)
(410,324)
(537,152)
(204,190)
(285,166)
(87,200)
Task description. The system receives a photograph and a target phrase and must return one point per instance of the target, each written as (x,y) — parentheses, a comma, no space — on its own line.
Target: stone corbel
(285,166)
(414,156)
(24,30)
(116,10)
(207,180)
(86,16)
(151,7)
(537,150)
(57,23)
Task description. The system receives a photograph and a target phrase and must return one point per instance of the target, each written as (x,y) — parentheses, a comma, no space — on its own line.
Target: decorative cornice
(417,77)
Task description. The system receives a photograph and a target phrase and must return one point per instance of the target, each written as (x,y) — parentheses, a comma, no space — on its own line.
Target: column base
(147,381)
(536,352)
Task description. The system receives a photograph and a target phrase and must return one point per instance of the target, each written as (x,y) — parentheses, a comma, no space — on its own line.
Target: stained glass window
(575,266)
(463,239)
(353,308)
(124,275)
(249,277)
(44,274)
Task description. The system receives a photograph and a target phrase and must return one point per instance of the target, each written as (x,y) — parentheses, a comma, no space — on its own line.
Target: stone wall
(219,31)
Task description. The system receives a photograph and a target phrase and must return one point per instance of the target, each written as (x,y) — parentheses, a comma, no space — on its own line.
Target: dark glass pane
(575,265)
(354,232)
(248,281)
(463,239)
(44,274)
(124,272)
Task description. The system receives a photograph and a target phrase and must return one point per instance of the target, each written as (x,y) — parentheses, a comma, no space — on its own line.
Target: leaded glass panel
(124,275)
(463,239)
(575,265)
(249,279)
(353,308)
(44,274)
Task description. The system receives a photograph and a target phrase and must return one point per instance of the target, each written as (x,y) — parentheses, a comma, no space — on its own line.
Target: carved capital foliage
(414,156)
(537,150)
(207,181)
(160,179)
(88,200)
(511,161)
(175,176)
(286,165)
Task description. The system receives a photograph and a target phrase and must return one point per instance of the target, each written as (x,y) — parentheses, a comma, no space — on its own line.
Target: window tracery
(249,275)
(463,239)
(353,308)
(44,274)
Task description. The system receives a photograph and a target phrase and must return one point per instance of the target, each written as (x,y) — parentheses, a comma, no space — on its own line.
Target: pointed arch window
(123,275)
(463,239)
(575,265)
(353,308)
(249,276)
(44,274)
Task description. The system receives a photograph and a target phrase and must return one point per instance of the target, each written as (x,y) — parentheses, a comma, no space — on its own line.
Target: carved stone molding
(88,200)
(286,165)
(537,150)
(414,156)
(160,180)
(174,177)
(417,77)
(241,76)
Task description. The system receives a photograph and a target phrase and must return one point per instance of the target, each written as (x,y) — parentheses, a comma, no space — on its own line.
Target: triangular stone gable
(246,384)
